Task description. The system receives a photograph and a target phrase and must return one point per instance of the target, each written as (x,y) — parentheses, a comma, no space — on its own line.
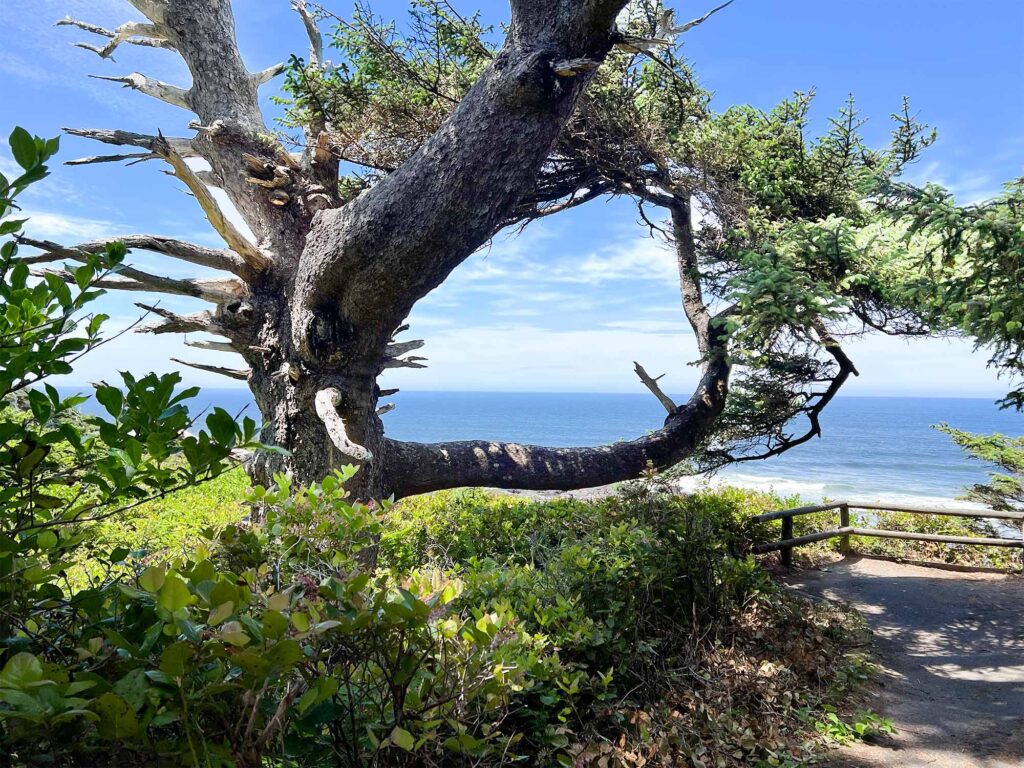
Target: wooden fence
(845,530)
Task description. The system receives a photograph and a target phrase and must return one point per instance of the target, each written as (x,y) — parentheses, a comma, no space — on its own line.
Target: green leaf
(117,720)
(402,738)
(24,149)
(174,659)
(174,594)
(152,579)
(233,634)
(110,398)
(21,670)
(220,613)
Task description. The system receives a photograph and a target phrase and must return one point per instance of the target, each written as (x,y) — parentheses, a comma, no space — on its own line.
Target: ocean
(872,447)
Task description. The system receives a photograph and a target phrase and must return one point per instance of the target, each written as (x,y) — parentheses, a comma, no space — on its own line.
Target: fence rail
(787,541)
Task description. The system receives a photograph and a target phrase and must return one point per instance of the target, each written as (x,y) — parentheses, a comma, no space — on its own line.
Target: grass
(171,526)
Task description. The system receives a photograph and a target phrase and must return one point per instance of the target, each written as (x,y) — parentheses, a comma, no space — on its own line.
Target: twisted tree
(422,144)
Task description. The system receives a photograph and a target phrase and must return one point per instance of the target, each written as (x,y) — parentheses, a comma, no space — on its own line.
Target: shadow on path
(952,645)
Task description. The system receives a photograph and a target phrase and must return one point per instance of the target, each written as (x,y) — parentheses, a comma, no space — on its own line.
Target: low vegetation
(630,631)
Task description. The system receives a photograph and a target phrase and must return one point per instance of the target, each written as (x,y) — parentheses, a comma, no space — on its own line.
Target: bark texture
(315,305)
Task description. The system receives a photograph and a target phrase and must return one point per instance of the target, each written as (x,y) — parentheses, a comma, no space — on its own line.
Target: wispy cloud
(66,228)
(967,187)
(650,326)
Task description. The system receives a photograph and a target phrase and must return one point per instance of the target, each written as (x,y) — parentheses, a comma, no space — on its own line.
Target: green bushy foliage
(61,472)
(313,638)
(281,639)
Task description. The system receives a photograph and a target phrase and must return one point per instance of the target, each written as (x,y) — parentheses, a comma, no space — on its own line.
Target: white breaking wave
(783,486)
(812,491)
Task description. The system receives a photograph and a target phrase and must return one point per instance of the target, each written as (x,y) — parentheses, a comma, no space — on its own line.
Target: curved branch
(316,40)
(326,403)
(474,170)
(431,467)
(689,271)
(813,410)
(238,243)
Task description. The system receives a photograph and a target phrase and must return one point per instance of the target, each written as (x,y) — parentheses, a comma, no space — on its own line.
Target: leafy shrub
(302,650)
(61,472)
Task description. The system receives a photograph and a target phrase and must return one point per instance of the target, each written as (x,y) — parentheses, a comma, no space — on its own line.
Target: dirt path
(952,644)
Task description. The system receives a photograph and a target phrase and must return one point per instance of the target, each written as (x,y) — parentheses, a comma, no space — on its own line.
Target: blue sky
(571,303)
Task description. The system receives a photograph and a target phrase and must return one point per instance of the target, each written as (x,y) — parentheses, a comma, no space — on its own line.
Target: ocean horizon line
(679,395)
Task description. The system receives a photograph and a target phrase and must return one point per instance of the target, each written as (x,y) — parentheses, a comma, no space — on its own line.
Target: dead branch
(652,384)
(212,258)
(231,373)
(212,346)
(327,402)
(170,94)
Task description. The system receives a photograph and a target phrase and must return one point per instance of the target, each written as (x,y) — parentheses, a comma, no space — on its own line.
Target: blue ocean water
(872,447)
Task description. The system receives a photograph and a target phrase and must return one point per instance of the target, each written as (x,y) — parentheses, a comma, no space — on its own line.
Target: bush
(284,641)
(62,472)
(280,639)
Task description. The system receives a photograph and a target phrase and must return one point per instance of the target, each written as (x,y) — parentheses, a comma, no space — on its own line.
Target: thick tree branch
(421,468)
(316,40)
(459,185)
(689,271)
(327,402)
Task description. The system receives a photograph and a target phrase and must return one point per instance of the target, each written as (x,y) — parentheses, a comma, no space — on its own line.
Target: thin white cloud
(650,326)
(48,225)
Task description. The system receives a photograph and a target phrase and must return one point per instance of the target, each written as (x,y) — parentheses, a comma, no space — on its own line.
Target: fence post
(786,553)
(844,522)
